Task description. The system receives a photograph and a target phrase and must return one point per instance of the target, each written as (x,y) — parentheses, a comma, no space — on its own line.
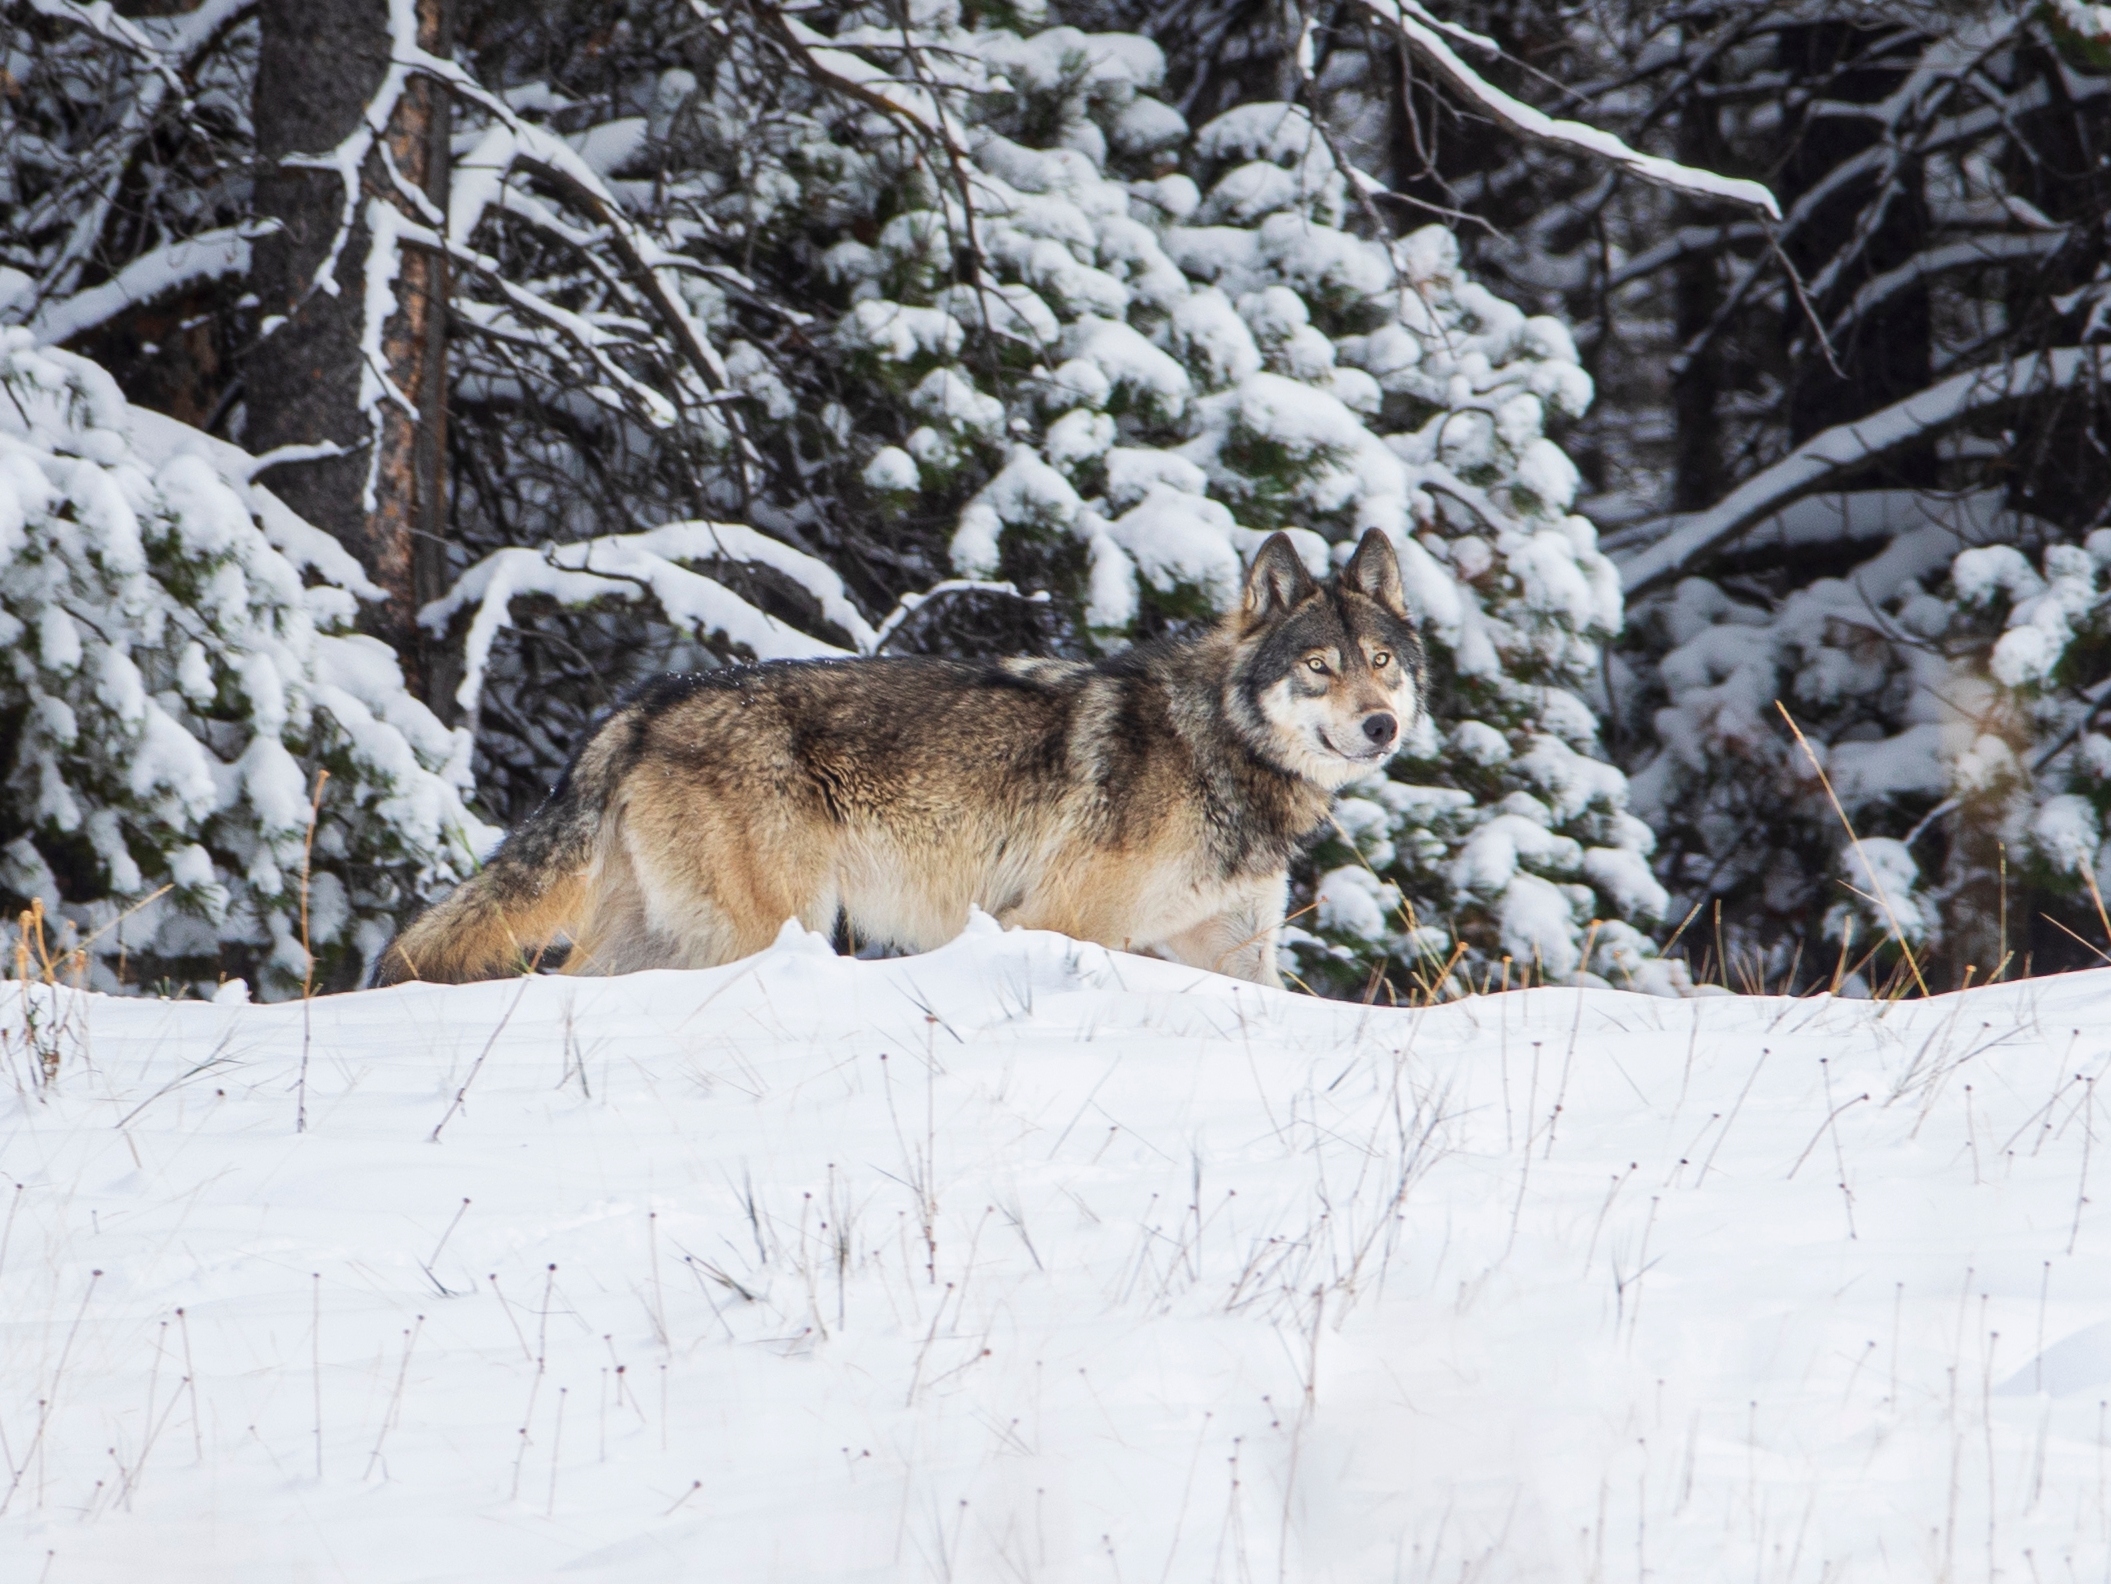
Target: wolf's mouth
(1372,757)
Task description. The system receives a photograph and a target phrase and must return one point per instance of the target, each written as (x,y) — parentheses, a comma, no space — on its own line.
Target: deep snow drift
(1026,1260)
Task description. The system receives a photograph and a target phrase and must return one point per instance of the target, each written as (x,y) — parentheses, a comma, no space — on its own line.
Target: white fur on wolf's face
(1317,709)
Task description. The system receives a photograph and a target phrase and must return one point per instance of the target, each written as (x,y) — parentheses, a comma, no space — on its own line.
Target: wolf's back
(502,919)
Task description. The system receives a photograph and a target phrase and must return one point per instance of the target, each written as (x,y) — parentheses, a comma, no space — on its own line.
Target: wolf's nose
(1379,728)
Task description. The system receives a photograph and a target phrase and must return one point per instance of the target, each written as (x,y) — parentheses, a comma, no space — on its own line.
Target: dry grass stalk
(1883,900)
(315,808)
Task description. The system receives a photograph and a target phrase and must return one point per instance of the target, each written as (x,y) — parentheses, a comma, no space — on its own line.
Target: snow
(1129,363)
(208,256)
(2042,623)
(1835,454)
(1538,925)
(2066,833)
(1028,492)
(2093,22)
(1147,125)
(608,146)
(1214,339)
(949,397)
(891,470)
(1884,875)
(1027,1259)
(897,333)
(167,661)
(1353,900)
(1624,875)
(628,566)
(1421,29)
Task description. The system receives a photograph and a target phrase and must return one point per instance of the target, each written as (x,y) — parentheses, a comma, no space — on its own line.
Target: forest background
(392,381)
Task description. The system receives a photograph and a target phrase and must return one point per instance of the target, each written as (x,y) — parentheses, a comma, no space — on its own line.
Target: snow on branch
(511,146)
(847,73)
(718,541)
(1929,88)
(105,24)
(1969,253)
(1875,165)
(910,604)
(1824,459)
(1427,34)
(2091,22)
(646,262)
(646,565)
(917,104)
(190,37)
(514,143)
(210,255)
(537,321)
(657,565)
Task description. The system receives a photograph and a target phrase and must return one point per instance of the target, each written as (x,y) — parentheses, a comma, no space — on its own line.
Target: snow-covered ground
(1025,1260)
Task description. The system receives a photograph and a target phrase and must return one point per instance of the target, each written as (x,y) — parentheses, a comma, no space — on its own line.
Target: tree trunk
(1700,471)
(320,64)
(1219,53)
(407,525)
(1888,355)
(2060,163)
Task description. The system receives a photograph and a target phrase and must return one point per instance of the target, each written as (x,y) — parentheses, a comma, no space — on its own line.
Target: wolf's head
(1328,677)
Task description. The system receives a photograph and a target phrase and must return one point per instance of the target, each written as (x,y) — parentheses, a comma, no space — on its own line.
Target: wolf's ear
(1374,572)
(1277,582)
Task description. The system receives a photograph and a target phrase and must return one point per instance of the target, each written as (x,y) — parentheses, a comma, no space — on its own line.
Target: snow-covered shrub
(180,667)
(1953,690)
(1082,349)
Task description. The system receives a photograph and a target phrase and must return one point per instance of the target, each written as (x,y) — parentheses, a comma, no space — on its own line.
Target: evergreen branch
(1828,458)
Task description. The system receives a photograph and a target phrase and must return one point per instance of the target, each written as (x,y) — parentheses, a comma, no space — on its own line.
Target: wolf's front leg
(1240,940)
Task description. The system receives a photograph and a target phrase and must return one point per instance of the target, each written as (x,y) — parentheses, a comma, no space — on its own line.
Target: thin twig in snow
(475,1067)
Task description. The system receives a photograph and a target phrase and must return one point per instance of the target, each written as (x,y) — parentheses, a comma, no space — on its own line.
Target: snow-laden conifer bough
(180,656)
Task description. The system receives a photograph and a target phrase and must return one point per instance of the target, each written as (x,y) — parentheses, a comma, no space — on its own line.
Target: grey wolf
(1152,800)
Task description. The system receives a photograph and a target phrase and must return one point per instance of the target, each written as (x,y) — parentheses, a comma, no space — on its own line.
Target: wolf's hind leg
(614,936)
(714,884)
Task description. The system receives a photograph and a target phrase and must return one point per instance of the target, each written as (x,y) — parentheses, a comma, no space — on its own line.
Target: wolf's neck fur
(1258,812)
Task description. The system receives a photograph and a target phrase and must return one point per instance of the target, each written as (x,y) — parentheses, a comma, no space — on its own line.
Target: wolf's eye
(1317,665)
(1380,660)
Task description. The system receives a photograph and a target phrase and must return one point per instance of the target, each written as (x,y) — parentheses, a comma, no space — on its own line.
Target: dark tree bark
(1700,468)
(1219,53)
(1887,356)
(2061,164)
(407,529)
(320,63)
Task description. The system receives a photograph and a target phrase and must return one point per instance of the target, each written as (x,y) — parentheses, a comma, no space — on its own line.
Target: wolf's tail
(536,887)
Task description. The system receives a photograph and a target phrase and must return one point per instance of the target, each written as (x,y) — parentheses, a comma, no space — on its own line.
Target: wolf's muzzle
(1379,729)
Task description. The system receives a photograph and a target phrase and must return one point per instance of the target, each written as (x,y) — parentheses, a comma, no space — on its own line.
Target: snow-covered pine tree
(180,670)
(1950,673)
(1917,341)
